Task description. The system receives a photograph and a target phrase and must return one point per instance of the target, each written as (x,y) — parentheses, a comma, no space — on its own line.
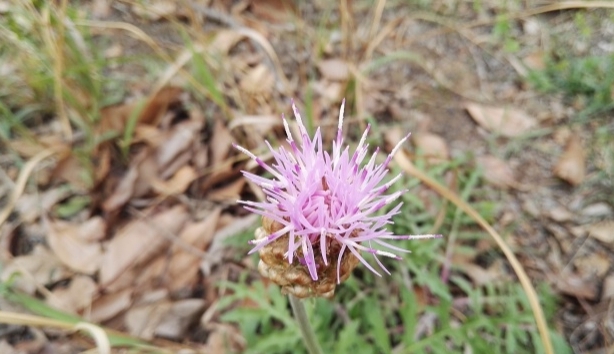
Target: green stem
(309,336)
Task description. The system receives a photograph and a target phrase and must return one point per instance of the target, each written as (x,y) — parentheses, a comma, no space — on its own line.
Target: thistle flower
(321,211)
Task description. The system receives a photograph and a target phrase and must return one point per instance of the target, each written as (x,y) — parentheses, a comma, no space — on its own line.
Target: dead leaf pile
(131,254)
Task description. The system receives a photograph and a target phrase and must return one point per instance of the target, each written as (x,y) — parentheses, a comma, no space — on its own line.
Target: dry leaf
(70,169)
(70,243)
(392,136)
(123,192)
(608,287)
(334,69)
(142,321)
(214,253)
(331,91)
(178,140)
(221,143)
(183,265)
(228,193)
(102,164)
(5,347)
(101,8)
(76,296)
(574,285)
(481,276)
(225,339)
(30,206)
(602,231)
(38,268)
(28,148)
(274,11)
(261,124)
(155,10)
(497,172)
(508,122)
(535,60)
(224,41)
(258,80)
(571,165)
(147,172)
(178,319)
(110,305)
(433,147)
(139,241)
(597,210)
(596,264)
(114,118)
(177,184)
(114,51)
(560,214)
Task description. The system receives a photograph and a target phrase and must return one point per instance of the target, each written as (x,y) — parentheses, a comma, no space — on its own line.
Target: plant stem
(309,336)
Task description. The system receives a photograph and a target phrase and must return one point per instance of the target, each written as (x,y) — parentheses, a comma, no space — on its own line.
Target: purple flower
(320,198)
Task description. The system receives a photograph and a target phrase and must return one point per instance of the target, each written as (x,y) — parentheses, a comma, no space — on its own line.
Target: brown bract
(294,277)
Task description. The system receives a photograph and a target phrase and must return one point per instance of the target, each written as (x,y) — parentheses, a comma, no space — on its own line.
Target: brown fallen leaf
(71,243)
(155,10)
(139,241)
(574,285)
(608,287)
(594,265)
(535,60)
(29,148)
(334,69)
(177,320)
(602,231)
(7,348)
(262,124)
(143,320)
(123,191)
(225,338)
(39,268)
(183,266)
(509,122)
(147,168)
(101,9)
(274,11)
(258,80)
(497,172)
(176,141)
(78,295)
(72,170)
(433,147)
(224,41)
(221,143)
(114,118)
(560,214)
(571,165)
(30,206)
(228,193)
(176,184)
(108,306)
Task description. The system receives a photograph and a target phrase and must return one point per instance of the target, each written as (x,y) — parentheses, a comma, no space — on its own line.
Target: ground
(120,180)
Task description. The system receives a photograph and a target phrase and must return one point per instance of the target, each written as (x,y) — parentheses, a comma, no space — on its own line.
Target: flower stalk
(309,336)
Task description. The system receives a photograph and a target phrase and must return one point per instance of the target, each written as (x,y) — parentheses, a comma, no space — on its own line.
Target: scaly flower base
(294,278)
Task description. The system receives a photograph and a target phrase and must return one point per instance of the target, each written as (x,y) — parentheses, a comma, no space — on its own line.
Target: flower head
(326,205)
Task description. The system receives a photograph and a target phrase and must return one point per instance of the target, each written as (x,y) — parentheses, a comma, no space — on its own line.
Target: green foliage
(588,78)
(502,32)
